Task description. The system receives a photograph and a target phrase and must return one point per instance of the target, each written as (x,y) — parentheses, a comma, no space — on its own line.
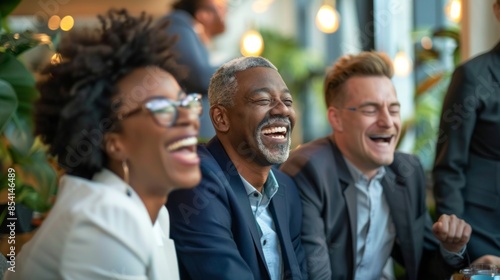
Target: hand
(454,233)
(489,259)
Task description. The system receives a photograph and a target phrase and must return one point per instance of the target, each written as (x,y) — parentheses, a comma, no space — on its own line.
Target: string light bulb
(252,43)
(402,64)
(67,23)
(453,10)
(328,18)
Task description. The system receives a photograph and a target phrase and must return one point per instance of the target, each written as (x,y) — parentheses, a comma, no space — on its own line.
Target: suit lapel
(279,212)
(397,196)
(235,183)
(349,192)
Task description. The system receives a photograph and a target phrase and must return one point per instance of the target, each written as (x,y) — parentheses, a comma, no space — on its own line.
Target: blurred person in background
(196,23)
(125,133)
(467,166)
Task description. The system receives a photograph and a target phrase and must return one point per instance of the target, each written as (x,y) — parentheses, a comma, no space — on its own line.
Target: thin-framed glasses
(165,111)
(371,110)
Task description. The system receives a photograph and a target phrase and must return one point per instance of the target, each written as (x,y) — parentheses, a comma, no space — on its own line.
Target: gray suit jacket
(329,213)
(467,167)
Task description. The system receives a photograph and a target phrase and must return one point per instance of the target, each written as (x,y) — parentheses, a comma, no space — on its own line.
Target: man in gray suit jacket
(362,202)
(467,166)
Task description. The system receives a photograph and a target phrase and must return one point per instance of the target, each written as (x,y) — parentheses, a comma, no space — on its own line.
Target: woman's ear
(334,119)
(220,119)
(113,146)
(496,10)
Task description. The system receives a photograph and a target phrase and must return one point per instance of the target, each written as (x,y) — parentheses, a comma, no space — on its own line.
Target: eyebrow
(378,105)
(268,90)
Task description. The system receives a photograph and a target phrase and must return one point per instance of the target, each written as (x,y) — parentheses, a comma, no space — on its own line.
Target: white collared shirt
(99,229)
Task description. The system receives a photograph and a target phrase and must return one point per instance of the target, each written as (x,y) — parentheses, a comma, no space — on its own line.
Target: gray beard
(281,151)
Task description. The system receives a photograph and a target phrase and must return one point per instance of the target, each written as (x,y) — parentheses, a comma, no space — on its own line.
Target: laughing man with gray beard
(243,220)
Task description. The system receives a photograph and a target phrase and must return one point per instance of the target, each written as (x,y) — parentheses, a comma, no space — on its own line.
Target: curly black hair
(75,108)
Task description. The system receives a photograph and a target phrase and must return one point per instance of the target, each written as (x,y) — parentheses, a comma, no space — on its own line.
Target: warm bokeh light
(56,58)
(252,43)
(54,22)
(67,23)
(327,19)
(454,10)
(261,6)
(426,42)
(402,64)
(43,38)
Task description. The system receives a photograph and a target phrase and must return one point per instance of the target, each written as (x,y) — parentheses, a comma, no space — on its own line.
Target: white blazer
(98,229)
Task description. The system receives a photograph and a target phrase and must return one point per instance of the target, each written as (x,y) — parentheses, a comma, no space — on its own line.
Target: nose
(384,118)
(281,109)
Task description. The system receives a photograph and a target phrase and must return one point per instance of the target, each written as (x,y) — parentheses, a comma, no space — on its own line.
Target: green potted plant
(27,177)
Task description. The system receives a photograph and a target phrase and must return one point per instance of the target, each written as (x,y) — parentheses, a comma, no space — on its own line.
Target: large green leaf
(20,136)
(23,83)
(7,6)
(8,103)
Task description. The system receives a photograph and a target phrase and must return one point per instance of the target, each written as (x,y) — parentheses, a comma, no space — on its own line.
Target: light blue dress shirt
(269,238)
(375,230)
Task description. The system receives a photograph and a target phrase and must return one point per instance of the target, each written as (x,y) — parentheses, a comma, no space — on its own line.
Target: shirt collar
(270,186)
(359,177)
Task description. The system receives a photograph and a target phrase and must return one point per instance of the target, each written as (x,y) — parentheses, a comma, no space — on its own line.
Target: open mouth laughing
(278,132)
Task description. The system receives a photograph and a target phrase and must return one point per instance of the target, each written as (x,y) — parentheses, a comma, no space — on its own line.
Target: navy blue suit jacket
(215,232)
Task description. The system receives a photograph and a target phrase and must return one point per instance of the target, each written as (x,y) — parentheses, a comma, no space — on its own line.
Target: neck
(152,198)
(255,173)
(153,204)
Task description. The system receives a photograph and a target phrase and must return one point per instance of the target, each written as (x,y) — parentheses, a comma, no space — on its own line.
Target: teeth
(271,130)
(182,143)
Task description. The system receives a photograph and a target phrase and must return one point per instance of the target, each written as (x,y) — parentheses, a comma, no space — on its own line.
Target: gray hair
(223,84)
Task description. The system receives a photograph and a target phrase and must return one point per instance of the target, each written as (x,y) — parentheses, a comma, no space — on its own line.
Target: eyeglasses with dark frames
(165,111)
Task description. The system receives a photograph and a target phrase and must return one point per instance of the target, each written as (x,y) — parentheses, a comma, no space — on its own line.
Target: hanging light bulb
(56,58)
(453,10)
(402,64)
(328,18)
(252,43)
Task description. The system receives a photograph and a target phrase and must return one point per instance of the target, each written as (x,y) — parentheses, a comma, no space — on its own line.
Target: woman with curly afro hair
(126,134)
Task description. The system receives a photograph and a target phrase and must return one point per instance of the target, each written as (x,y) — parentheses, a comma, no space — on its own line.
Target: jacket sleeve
(432,263)
(457,124)
(201,228)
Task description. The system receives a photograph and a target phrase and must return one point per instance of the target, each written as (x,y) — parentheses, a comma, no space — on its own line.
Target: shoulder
(282,178)
(476,65)
(105,208)
(407,167)
(318,154)
(312,149)
(179,17)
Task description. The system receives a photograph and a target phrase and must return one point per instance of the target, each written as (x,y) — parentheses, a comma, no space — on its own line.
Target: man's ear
(334,119)
(114,147)
(220,118)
